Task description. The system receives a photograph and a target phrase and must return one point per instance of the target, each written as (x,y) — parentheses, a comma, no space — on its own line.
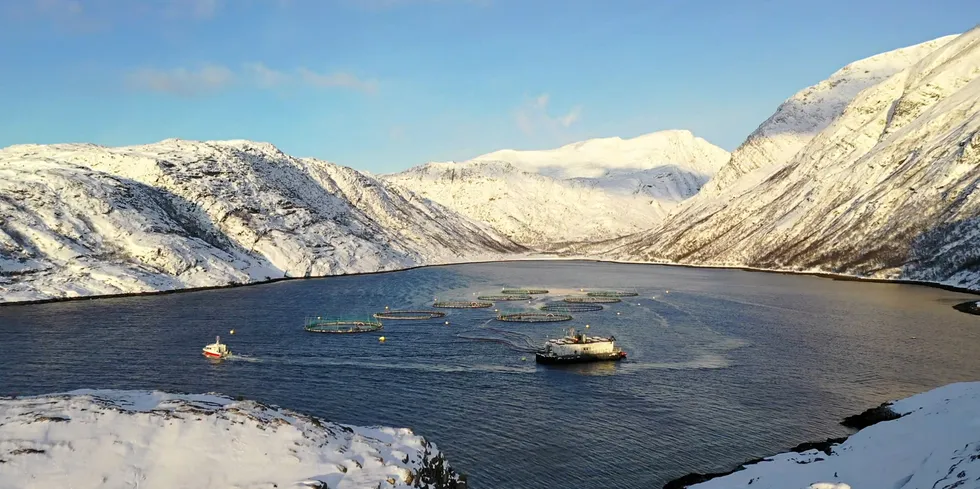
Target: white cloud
(532,116)
(181,81)
(266,77)
(209,78)
(337,79)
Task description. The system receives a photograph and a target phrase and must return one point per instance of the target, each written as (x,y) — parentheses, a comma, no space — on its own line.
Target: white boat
(579,348)
(217,349)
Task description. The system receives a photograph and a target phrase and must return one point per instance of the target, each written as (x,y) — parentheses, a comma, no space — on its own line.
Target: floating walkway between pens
(569,307)
(534,317)
(505,297)
(462,304)
(524,291)
(341,326)
(586,299)
(611,293)
(409,315)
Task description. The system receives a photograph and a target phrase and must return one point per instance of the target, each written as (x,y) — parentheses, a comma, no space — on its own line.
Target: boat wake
(515,341)
(243,358)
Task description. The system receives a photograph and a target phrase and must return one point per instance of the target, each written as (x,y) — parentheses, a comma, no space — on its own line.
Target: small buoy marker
(618,313)
(666,292)
(586,326)
(381,339)
(447,323)
(523,359)
(231,332)
(386,308)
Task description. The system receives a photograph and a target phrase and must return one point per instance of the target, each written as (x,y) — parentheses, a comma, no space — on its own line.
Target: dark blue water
(725,366)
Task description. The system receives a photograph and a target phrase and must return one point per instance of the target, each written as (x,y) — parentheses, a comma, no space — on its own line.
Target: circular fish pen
(409,315)
(341,326)
(586,299)
(611,293)
(534,317)
(571,307)
(524,291)
(462,304)
(505,297)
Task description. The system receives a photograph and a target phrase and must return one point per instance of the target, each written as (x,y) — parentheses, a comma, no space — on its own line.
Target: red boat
(217,349)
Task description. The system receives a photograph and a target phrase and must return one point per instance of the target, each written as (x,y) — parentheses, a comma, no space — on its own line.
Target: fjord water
(723,365)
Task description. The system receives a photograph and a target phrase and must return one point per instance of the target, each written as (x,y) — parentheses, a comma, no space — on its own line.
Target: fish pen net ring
(342,326)
(569,307)
(524,291)
(505,297)
(585,299)
(462,304)
(409,315)
(611,293)
(534,317)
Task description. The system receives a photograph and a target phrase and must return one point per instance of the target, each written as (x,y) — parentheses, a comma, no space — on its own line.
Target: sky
(382,85)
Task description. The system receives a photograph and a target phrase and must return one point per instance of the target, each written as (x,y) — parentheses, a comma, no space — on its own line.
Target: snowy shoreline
(516,259)
(928,440)
(152,439)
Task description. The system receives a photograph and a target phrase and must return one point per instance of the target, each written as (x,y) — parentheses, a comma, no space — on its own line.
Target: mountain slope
(530,208)
(887,190)
(800,118)
(84,219)
(592,190)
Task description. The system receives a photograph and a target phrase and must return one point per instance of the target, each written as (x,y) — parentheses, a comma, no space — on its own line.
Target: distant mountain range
(595,189)
(871,173)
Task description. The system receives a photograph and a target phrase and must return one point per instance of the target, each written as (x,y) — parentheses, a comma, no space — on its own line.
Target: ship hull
(557,360)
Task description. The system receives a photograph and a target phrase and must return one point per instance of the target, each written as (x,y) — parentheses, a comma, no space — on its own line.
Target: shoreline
(857,422)
(962,307)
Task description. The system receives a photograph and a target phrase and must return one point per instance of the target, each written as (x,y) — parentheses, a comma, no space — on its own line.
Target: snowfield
(587,191)
(934,445)
(81,220)
(122,439)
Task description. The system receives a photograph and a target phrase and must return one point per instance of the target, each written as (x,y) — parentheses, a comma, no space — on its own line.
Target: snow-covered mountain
(597,157)
(800,118)
(123,439)
(885,190)
(934,445)
(595,189)
(80,219)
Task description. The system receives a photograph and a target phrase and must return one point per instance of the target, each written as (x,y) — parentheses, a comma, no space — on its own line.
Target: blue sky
(382,85)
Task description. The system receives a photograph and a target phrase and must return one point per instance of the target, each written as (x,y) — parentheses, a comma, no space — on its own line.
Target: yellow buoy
(666,292)
(381,339)
(231,332)
(523,359)
(586,326)
(447,323)
(618,313)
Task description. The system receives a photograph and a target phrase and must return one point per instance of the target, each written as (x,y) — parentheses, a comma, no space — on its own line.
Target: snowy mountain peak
(809,111)
(595,157)
(887,189)
(591,190)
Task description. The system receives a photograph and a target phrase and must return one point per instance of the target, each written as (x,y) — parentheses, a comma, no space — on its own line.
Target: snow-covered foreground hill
(586,191)
(123,439)
(81,219)
(934,445)
(886,190)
